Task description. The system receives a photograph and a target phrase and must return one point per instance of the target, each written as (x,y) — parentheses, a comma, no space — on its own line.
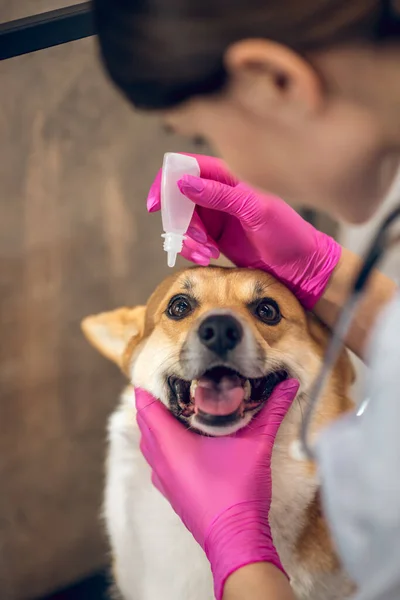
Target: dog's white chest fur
(154,556)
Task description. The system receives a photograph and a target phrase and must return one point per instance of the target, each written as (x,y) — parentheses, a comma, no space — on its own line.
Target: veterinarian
(301,98)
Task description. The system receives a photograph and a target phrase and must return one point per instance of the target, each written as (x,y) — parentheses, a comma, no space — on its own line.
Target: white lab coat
(359,467)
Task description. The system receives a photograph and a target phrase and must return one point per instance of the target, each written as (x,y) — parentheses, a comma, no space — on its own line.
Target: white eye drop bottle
(176,209)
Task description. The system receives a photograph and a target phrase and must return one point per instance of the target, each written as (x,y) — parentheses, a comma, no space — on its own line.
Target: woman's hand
(219,487)
(252,230)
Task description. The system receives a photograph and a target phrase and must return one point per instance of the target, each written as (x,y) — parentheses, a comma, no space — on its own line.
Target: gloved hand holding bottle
(252,229)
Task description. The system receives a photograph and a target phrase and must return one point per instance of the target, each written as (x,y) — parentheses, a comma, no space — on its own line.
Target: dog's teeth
(247,389)
(193,387)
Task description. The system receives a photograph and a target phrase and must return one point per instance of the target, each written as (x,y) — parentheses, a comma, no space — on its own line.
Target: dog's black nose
(220,333)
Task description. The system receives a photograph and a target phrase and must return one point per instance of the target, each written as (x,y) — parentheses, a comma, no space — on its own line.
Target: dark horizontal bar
(46,30)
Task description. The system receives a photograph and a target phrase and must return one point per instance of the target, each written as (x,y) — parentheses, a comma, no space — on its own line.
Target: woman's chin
(359,209)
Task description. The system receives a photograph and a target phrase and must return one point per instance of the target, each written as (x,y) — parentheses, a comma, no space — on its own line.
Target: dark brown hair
(162,52)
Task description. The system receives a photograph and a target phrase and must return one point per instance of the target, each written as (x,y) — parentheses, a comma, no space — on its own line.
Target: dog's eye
(179,307)
(268,311)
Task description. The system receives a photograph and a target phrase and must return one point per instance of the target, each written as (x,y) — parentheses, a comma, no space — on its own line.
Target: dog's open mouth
(221,395)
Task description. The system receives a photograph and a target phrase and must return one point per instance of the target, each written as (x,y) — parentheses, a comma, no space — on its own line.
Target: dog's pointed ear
(111,332)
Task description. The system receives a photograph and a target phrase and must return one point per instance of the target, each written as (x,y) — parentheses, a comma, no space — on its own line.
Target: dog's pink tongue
(223,398)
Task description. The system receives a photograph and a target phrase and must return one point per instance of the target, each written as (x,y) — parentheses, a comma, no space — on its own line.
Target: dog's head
(212,344)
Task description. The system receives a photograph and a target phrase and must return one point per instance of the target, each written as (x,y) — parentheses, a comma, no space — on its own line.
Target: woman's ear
(111,332)
(267,76)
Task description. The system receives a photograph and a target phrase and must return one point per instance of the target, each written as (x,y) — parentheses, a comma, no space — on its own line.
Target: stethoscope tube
(374,253)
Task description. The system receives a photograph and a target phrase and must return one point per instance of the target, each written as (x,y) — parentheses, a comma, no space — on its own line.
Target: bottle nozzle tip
(173,243)
(171,258)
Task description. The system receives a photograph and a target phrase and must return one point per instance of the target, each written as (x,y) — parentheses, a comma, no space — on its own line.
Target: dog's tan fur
(143,340)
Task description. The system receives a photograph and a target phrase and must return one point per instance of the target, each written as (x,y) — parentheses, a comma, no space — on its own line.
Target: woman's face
(336,151)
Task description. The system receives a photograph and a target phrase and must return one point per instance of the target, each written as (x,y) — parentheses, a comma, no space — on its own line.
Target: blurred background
(75,238)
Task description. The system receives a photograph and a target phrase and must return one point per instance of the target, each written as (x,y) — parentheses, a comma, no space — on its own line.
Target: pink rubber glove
(253,230)
(219,487)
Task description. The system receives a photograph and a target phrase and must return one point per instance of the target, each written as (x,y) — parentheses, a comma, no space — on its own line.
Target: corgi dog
(211,344)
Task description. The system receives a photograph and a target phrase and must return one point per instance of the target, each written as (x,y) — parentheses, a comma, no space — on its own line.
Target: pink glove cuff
(320,266)
(238,537)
